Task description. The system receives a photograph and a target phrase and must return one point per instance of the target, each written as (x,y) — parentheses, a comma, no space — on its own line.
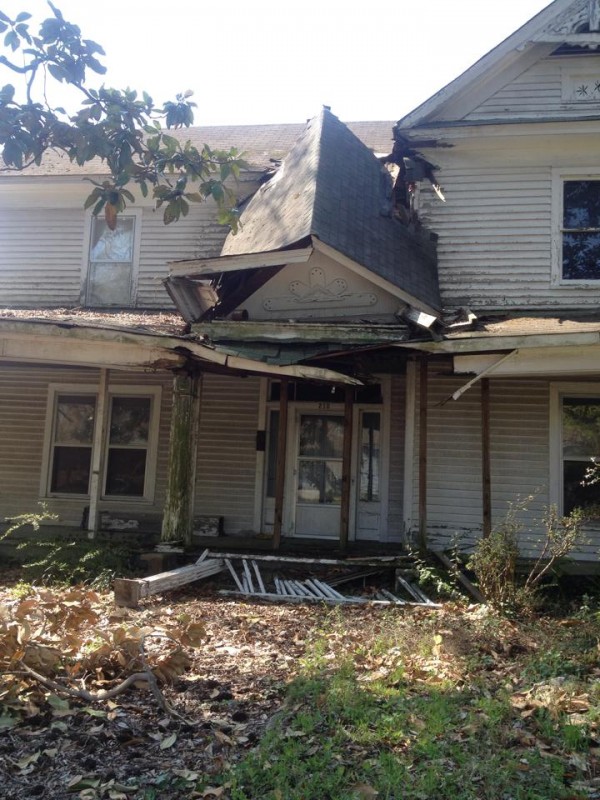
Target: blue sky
(261,61)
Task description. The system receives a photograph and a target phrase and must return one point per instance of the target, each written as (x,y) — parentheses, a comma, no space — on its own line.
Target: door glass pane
(130,420)
(272,453)
(74,419)
(321,436)
(369,457)
(125,472)
(319,482)
(71,470)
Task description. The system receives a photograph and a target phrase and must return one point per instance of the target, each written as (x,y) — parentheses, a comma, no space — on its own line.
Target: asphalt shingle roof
(333,187)
(261,144)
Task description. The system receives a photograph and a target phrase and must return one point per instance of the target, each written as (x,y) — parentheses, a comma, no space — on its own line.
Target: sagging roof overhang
(205,289)
(43,342)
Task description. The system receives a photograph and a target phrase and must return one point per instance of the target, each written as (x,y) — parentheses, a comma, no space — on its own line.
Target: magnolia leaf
(169,741)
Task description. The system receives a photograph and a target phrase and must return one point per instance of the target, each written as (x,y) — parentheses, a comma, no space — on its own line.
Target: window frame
(154,393)
(558,392)
(85,293)
(559,178)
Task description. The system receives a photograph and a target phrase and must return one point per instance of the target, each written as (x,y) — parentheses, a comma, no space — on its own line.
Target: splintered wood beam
(280,468)
(423,376)
(346,468)
(486,469)
(129,592)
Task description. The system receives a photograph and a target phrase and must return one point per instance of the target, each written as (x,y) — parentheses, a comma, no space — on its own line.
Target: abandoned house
(402,339)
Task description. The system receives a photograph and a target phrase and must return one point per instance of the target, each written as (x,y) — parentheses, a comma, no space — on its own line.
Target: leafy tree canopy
(119,128)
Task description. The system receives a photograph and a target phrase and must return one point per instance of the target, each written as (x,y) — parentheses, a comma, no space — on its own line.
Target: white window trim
(559,176)
(135,267)
(56,389)
(557,392)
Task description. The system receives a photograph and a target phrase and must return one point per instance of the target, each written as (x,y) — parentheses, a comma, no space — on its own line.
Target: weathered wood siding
(538,92)
(519,444)
(23,404)
(42,257)
(395,518)
(226,468)
(495,239)
(44,247)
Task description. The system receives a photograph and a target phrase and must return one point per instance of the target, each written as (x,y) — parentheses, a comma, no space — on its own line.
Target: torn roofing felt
(332,187)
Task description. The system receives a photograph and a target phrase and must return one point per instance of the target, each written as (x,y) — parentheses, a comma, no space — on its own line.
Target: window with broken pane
(581,230)
(110,273)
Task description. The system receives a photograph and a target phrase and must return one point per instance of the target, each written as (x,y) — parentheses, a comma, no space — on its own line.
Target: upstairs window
(111,262)
(581,230)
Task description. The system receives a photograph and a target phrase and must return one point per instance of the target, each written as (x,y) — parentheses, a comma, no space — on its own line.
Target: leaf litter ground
(309,702)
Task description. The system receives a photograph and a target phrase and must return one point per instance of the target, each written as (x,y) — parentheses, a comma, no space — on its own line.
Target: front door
(318,474)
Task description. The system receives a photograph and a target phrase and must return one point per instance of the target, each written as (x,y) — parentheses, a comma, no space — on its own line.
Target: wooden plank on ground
(128,592)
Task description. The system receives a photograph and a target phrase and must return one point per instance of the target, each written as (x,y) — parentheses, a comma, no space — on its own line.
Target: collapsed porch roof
(76,344)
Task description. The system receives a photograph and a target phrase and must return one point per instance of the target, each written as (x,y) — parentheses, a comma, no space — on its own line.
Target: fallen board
(129,592)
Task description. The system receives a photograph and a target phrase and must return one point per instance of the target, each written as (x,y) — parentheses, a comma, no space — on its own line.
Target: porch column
(179,502)
(486,472)
(346,468)
(423,453)
(280,468)
(98,452)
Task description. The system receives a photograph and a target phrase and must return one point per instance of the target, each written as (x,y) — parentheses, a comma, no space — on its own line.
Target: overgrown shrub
(494,560)
(64,562)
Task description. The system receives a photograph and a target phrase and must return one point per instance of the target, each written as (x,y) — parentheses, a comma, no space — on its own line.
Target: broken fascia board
(209,267)
(144,350)
(535,361)
(289,332)
(375,279)
(480,343)
(488,370)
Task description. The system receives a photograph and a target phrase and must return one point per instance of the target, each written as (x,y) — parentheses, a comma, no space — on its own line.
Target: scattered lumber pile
(250,583)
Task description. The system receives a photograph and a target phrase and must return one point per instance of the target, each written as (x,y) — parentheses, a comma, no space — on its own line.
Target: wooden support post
(179,503)
(346,468)
(423,454)
(100,424)
(281,456)
(486,471)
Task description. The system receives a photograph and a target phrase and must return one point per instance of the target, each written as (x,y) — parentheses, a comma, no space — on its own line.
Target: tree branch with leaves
(119,129)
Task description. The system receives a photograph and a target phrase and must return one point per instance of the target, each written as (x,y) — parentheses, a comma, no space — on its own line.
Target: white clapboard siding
(226,469)
(23,404)
(42,253)
(40,256)
(519,455)
(395,523)
(494,247)
(196,236)
(536,93)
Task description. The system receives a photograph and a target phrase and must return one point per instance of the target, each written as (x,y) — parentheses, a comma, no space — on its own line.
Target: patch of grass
(422,708)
